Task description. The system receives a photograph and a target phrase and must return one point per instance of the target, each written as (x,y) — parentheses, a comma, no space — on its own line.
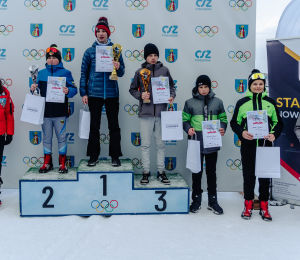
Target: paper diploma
(211,135)
(257,122)
(55,89)
(160,90)
(104,59)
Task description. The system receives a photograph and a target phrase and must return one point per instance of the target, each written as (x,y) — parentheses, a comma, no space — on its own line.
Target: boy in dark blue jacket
(96,90)
(55,114)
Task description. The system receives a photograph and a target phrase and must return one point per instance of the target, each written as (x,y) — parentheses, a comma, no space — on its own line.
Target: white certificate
(160,90)
(211,135)
(55,89)
(104,59)
(257,122)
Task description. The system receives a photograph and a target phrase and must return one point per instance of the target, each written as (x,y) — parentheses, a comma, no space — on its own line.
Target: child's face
(152,59)
(257,86)
(203,90)
(102,36)
(52,60)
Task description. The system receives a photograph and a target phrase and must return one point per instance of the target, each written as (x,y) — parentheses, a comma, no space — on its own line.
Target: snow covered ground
(194,236)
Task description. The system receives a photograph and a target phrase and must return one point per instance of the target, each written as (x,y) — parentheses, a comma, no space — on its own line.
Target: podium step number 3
(100,190)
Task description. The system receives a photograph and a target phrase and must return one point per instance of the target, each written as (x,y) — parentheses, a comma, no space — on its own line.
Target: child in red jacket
(6,122)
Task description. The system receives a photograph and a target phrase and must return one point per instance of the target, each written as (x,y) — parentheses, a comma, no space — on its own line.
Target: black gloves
(8,139)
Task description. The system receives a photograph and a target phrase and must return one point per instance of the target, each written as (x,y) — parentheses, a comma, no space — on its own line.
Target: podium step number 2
(100,190)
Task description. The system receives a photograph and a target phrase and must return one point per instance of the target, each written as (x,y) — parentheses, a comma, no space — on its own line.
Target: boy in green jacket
(204,106)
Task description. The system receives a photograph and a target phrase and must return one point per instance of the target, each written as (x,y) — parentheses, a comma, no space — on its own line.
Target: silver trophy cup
(34,70)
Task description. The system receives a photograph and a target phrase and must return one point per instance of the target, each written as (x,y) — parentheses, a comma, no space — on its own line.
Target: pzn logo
(67,29)
(203,56)
(70,138)
(4,161)
(204,4)
(2,54)
(100,4)
(170,31)
(3,5)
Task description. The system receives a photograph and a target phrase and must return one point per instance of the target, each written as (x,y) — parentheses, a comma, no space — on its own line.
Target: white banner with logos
(221,44)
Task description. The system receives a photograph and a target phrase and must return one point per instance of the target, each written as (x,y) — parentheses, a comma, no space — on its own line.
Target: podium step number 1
(100,190)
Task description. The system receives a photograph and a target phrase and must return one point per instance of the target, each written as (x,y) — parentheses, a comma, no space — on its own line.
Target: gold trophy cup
(145,74)
(116,49)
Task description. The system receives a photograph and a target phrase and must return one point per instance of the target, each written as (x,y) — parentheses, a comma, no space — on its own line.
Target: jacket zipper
(151,86)
(47,86)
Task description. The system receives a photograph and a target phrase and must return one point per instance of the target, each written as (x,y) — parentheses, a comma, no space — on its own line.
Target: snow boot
(62,164)
(196,203)
(145,179)
(247,212)
(163,178)
(264,211)
(48,165)
(214,205)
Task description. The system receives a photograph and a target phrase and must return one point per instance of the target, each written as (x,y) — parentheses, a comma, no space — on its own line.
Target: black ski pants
(112,113)
(248,154)
(2,140)
(211,163)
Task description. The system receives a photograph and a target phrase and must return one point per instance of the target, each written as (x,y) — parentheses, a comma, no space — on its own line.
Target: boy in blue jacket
(96,90)
(55,114)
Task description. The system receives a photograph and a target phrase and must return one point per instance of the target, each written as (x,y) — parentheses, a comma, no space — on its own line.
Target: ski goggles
(258,76)
(52,49)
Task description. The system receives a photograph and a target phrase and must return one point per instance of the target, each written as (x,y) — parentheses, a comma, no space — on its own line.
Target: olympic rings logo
(104,139)
(230,109)
(111,28)
(35,4)
(33,161)
(243,57)
(234,165)
(7,82)
(34,54)
(131,110)
(240,4)
(206,30)
(136,4)
(6,30)
(137,163)
(214,84)
(104,206)
(135,55)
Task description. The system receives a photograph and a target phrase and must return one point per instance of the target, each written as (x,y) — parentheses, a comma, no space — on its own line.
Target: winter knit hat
(260,77)
(150,48)
(102,24)
(203,80)
(53,51)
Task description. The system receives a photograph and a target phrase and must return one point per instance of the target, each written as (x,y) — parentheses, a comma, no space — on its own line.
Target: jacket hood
(109,43)
(59,66)
(197,95)
(149,66)
(249,94)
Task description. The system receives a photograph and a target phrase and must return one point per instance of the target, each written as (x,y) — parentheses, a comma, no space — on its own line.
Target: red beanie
(102,24)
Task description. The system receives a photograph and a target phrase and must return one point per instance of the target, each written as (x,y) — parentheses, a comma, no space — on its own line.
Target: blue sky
(267,17)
